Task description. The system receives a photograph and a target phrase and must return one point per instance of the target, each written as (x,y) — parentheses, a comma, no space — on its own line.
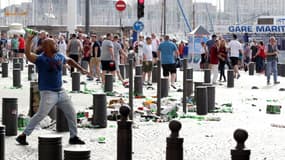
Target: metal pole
(131,85)
(164,17)
(87,17)
(158,101)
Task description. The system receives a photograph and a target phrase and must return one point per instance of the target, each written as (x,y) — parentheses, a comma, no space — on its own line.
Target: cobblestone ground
(203,140)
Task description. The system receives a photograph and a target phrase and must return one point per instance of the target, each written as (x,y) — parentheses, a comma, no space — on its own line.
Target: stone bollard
(281,70)
(50,147)
(17,78)
(138,70)
(207,75)
(211,92)
(138,86)
(196,84)
(5,70)
(75,81)
(2,142)
(240,153)
(131,87)
(17,66)
(108,87)
(127,70)
(31,71)
(164,87)
(174,144)
(189,74)
(122,70)
(202,100)
(99,110)
(230,82)
(61,122)
(77,154)
(64,71)
(15,60)
(154,74)
(124,137)
(251,68)
(21,61)
(10,115)
(189,87)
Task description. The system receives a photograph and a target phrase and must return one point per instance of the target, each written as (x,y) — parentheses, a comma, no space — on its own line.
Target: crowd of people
(217,53)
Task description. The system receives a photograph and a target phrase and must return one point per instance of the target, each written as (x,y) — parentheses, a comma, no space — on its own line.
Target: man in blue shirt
(49,64)
(167,51)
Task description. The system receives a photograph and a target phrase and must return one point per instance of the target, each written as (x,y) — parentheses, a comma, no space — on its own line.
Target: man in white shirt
(147,60)
(235,48)
(155,44)
(62,45)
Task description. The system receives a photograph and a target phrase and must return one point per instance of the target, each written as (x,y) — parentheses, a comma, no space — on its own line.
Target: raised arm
(30,56)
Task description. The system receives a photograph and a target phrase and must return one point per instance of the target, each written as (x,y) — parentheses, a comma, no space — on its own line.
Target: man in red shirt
(21,46)
(214,61)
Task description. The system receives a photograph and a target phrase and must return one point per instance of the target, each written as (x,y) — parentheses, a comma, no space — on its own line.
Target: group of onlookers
(217,53)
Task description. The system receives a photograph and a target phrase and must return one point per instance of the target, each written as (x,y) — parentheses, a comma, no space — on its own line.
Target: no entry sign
(121,5)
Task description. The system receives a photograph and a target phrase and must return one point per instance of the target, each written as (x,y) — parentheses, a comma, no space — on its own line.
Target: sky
(4,3)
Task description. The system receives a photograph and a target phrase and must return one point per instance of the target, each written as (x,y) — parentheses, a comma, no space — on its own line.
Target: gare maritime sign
(256,29)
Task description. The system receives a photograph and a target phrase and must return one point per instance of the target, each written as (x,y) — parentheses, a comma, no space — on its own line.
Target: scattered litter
(278,125)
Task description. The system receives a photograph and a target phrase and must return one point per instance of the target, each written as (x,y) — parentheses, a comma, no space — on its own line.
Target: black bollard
(230,82)
(61,122)
(64,71)
(99,110)
(139,70)
(154,74)
(2,142)
(31,71)
(196,84)
(164,87)
(240,153)
(77,154)
(127,70)
(251,68)
(202,100)
(174,144)
(158,93)
(281,70)
(124,137)
(5,71)
(189,74)
(207,75)
(50,147)
(189,87)
(211,98)
(75,81)
(17,66)
(21,61)
(185,88)
(138,86)
(108,87)
(10,115)
(122,70)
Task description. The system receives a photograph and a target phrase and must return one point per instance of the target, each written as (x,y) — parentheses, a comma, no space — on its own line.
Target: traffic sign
(121,5)
(138,26)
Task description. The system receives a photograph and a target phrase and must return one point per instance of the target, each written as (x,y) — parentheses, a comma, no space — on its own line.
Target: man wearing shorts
(147,60)
(167,51)
(117,50)
(155,44)
(235,48)
(95,57)
(107,56)
(15,45)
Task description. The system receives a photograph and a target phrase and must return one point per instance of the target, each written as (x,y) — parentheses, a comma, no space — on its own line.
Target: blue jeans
(49,100)
(271,67)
